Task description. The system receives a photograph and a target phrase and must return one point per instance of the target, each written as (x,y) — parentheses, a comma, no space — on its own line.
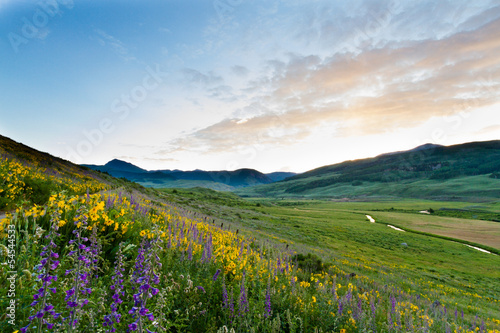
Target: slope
(461,171)
(226,180)
(30,176)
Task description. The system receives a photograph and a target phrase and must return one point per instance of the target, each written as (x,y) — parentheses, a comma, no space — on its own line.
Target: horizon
(265,85)
(317,167)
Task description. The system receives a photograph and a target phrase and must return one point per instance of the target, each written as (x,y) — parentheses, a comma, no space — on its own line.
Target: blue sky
(225,84)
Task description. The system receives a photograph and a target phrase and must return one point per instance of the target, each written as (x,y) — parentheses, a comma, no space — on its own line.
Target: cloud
(193,77)
(375,91)
(165,31)
(115,44)
(492,129)
(241,71)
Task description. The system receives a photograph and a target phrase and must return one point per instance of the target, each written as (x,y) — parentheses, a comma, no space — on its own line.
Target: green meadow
(429,259)
(253,264)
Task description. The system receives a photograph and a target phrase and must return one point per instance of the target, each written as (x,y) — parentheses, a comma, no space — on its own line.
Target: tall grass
(124,263)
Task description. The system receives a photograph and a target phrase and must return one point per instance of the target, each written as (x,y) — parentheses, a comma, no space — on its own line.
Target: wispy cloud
(492,129)
(115,44)
(193,77)
(378,90)
(240,70)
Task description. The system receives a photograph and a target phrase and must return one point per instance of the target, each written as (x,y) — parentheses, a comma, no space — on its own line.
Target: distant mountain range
(221,180)
(470,170)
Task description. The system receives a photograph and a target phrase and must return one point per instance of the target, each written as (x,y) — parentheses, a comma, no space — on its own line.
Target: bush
(3,202)
(38,190)
(309,263)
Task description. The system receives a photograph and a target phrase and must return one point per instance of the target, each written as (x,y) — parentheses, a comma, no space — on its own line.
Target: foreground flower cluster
(32,183)
(120,263)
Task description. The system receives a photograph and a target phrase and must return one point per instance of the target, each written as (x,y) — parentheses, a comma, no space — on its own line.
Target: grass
(340,230)
(469,188)
(480,232)
(258,247)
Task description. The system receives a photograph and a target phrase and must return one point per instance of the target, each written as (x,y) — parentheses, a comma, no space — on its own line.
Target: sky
(272,85)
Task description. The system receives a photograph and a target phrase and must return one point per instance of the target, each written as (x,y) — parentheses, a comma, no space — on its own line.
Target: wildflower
(243,304)
(117,286)
(47,267)
(76,295)
(393,304)
(267,314)
(216,275)
(147,262)
(225,299)
(95,250)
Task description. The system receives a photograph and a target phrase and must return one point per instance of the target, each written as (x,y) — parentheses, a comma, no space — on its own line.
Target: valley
(282,246)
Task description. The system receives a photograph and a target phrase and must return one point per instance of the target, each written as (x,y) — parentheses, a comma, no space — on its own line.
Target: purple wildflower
(95,251)
(243,304)
(216,275)
(133,326)
(225,298)
(76,295)
(267,314)
(117,286)
(231,305)
(393,304)
(145,273)
(47,277)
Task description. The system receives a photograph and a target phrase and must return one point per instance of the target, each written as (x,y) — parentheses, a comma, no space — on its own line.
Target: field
(470,188)
(340,230)
(116,257)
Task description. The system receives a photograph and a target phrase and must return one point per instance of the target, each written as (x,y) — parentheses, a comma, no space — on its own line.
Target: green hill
(283,265)
(28,176)
(468,170)
(219,180)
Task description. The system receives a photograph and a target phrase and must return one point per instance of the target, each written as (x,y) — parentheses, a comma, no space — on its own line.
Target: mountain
(221,180)
(431,171)
(236,178)
(116,167)
(280,175)
(123,166)
(419,148)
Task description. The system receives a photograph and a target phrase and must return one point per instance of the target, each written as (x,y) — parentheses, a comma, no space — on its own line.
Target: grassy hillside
(468,172)
(28,176)
(340,233)
(198,260)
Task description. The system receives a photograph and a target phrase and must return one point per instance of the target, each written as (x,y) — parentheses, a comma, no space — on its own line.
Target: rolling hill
(468,170)
(28,176)
(328,242)
(218,180)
